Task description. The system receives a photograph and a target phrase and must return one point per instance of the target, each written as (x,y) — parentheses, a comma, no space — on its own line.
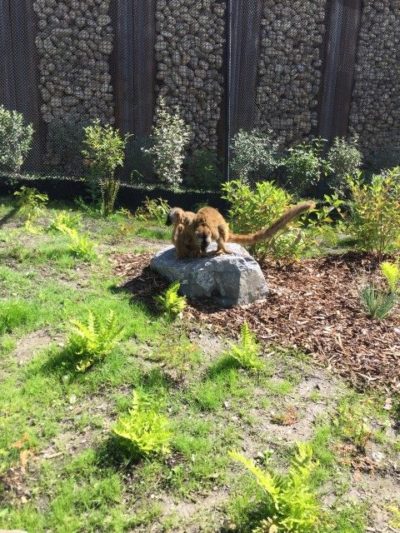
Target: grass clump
(290,502)
(376,303)
(144,431)
(94,340)
(14,314)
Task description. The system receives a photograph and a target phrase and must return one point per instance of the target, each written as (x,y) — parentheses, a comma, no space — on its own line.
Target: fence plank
(133,64)
(246,24)
(339,63)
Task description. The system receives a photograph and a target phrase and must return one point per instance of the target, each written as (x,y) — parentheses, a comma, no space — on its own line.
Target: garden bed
(313,306)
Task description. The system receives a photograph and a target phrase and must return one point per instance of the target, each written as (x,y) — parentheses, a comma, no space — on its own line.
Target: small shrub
(170,137)
(30,202)
(144,430)
(304,166)
(377,304)
(154,209)
(345,159)
(94,340)
(15,140)
(255,155)
(202,171)
(170,302)
(375,211)
(104,152)
(252,209)
(80,245)
(391,273)
(290,502)
(247,351)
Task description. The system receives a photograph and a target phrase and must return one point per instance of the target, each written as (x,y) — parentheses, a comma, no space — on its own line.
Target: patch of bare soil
(29,345)
(313,305)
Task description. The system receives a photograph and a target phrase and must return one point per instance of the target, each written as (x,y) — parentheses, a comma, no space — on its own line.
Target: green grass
(59,420)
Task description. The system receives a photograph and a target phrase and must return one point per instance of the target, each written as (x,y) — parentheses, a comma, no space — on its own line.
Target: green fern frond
(170,302)
(247,351)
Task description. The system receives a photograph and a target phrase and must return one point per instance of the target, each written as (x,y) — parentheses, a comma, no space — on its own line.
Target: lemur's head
(175,216)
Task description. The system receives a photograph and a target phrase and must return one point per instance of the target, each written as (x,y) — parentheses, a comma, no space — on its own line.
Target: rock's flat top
(228,279)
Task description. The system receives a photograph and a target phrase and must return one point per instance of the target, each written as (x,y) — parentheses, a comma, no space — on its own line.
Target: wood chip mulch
(313,306)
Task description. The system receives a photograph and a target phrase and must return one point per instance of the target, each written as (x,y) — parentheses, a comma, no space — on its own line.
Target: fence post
(344,17)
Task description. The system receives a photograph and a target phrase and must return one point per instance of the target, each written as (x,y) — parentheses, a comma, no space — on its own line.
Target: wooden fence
(133,66)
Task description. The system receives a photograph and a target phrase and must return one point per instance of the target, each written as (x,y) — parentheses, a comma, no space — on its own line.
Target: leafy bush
(375,211)
(170,302)
(94,340)
(15,140)
(391,273)
(378,304)
(304,166)
(247,352)
(254,154)
(345,159)
(291,504)
(154,209)
(202,172)
(104,153)
(30,202)
(252,209)
(170,136)
(144,430)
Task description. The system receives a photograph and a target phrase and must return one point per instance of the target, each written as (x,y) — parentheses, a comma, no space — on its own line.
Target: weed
(144,430)
(378,304)
(94,340)
(247,351)
(153,209)
(170,302)
(290,501)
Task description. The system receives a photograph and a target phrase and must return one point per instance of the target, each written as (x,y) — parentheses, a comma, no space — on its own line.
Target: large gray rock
(229,279)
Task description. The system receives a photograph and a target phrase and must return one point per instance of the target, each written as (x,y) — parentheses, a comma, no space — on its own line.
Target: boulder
(228,279)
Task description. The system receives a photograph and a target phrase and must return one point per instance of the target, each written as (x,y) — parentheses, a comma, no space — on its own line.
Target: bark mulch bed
(313,306)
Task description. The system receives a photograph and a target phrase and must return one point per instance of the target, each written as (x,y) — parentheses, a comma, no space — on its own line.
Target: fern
(65,219)
(94,340)
(144,430)
(247,352)
(391,273)
(80,245)
(30,203)
(291,504)
(170,302)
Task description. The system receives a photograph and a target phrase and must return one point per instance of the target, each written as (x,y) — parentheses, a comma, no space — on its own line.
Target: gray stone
(228,279)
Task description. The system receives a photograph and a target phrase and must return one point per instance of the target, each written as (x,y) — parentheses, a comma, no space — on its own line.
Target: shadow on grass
(143,288)
(8,216)
(117,453)
(222,366)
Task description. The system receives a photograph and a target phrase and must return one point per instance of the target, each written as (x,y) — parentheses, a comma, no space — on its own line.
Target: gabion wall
(292,33)
(189,53)
(375,111)
(74,43)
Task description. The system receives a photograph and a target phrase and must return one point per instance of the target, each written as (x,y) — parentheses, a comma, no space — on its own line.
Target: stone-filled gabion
(189,53)
(292,33)
(375,110)
(74,41)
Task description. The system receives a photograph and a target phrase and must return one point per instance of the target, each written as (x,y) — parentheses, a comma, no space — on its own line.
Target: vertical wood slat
(246,29)
(133,64)
(7,86)
(344,20)
(19,82)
